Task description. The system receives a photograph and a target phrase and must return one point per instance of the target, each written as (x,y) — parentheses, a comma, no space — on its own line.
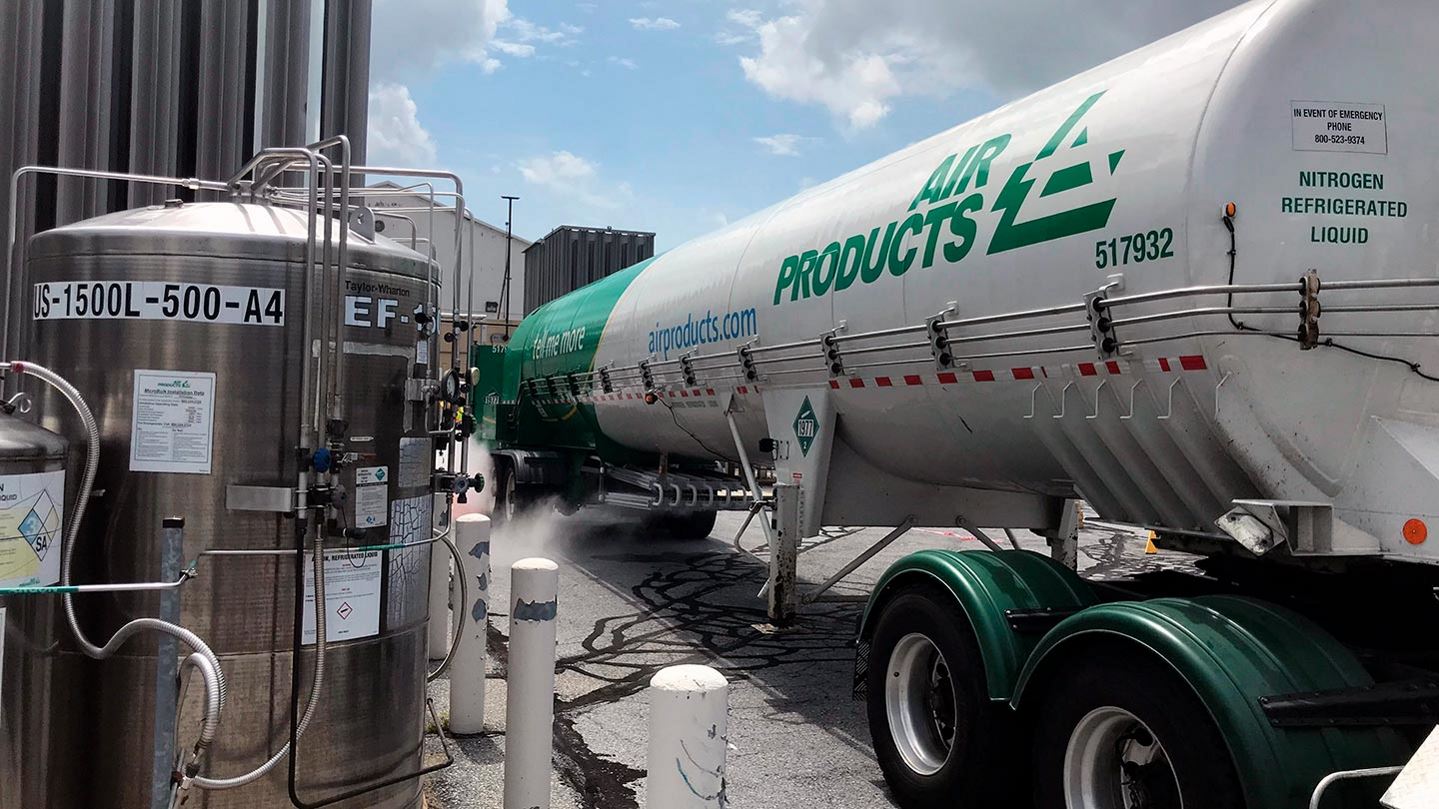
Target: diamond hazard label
(806,426)
(344,610)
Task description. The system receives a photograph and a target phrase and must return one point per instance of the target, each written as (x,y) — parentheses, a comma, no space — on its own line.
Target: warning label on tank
(352,596)
(31,509)
(1328,126)
(172,429)
(159,300)
(372,501)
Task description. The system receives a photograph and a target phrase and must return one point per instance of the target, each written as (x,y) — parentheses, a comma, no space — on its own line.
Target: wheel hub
(920,704)
(1114,761)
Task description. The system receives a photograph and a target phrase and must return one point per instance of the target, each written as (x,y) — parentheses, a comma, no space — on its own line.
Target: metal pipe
(1344,775)
(461,620)
(870,335)
(854,564)
(854,352)
(1065,309)
(1005,335)
(317,680)
(781,346)
(191,183)
(1025,353)
(1204,310)
(1184,292)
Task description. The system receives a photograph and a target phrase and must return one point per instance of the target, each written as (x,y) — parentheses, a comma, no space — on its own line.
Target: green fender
(1232,651)
(986,584)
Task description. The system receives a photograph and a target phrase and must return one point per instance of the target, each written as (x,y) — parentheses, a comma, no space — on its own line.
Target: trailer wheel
(1121,730)
(937,736)
(510,499)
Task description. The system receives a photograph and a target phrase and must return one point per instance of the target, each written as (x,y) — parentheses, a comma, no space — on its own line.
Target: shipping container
(570,257)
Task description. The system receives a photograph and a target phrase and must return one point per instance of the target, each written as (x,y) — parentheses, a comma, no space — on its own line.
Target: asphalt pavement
(631,604)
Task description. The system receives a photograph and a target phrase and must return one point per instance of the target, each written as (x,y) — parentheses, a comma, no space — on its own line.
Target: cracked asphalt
(632,604)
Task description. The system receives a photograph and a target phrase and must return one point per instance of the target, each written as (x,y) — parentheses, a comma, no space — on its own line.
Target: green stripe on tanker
(557,339)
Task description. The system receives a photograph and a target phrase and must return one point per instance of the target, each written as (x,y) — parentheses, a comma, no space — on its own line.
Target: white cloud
(785,144)
(577,180)
(559,169)
(396,136)
(747,17)
(842,55)
(623,61)
(522,30)
(416,36)
(653,24)
(508,48)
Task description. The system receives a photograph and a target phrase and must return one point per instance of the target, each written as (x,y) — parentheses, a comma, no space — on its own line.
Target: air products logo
(941,219)
(806,426)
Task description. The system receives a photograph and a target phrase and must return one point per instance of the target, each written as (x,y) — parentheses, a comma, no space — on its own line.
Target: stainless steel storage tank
(182,325)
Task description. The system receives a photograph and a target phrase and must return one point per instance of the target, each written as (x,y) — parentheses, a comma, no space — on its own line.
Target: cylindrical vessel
(32,502)
(530,694)
(467,675)
(1117,178)
(182,326)
(689,738)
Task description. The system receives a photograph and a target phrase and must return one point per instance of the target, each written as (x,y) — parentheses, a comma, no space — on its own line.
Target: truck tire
(511,499)
(937,736)
(1120,729)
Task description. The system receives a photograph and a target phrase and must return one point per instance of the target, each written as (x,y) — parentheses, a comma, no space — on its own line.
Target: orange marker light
(1415,532)
(1230,209)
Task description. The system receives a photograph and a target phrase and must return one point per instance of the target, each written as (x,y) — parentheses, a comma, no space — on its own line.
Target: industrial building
(569,257)
(429,226)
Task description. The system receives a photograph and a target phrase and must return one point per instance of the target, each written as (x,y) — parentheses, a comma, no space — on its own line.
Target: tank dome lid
(21,439)
(218,229)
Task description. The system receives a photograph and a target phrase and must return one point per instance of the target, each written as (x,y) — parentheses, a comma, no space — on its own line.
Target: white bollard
(530,701)
(467,673)
(439,632)
(689,738)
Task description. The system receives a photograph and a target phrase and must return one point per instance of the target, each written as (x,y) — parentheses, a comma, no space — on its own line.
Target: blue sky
(683,115)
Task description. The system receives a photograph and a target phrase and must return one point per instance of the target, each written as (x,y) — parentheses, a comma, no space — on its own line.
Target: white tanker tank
(932,307)
(1195,286)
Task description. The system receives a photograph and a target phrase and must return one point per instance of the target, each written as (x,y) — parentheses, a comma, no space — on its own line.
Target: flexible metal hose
(215,690)
(460,611)
(317,683)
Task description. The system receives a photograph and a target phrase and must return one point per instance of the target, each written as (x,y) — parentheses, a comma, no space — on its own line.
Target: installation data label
(1330,126)
(30,509)
(352,596)
(174,422)
(159,300)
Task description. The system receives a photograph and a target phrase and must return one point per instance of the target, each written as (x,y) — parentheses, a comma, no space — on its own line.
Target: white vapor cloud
(624,62)
(844,56)
(653,24)
(396,136)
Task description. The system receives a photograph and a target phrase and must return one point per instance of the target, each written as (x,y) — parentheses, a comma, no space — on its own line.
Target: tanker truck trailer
(1194,287)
